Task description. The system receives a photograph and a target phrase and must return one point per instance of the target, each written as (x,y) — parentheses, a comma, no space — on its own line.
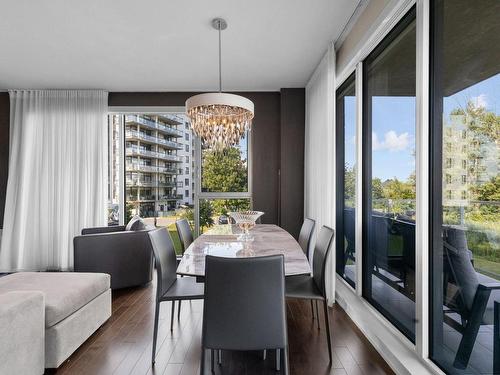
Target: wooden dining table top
(222,240)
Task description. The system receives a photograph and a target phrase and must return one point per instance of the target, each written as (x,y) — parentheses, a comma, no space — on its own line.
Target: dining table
(225,241)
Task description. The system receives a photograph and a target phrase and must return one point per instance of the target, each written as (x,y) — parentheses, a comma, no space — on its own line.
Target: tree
(206,213)
(349,183)
(489,191)
(377,190)
(128,211)
(225,171)
(398,190)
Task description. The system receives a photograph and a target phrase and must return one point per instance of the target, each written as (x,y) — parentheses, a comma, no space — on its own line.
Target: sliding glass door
(346,179)
(389,176)
(465,185)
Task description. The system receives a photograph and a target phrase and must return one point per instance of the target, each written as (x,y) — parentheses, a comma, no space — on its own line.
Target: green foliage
(206,214)
(377,189)
(224,171)
(128,211)
(489,191)
(395,189)
(350,183)
(224,206)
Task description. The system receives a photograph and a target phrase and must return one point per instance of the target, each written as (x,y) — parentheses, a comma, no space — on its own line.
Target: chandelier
(220,119)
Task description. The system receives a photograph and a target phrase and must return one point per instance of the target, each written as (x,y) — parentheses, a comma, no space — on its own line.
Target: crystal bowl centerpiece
(246,221)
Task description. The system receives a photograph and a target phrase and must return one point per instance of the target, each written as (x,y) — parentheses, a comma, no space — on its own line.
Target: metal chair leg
(285,361)
(172,316)
(312,309)
(179,311)
(212,360)
(264,355)
(202,362)
(317,313)
(155,332)
(278,360)
(327,324)
(219,357)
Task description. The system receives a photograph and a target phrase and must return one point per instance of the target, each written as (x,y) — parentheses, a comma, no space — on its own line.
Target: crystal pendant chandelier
(220,119)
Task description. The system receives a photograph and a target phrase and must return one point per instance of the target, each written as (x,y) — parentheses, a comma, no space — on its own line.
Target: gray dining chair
(244,306)
(313,287)
(304,240)
(169,287)
(185,234)
(305,235)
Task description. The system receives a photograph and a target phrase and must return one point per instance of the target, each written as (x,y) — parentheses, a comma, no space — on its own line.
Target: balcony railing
(158,155)
(150,138)
(139,183)
(154,125)
(150,168)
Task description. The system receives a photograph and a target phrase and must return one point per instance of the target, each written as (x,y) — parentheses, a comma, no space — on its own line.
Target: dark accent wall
(292,159)
(277,143)
(265,140)
(4,149)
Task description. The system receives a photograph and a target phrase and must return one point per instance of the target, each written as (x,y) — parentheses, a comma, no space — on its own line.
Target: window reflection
(346,178)
(466,211)
(389,176)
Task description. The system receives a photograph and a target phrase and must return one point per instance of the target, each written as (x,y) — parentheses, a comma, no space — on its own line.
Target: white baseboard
(397,351)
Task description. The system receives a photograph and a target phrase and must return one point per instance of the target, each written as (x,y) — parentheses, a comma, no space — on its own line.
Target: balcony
(133,134)
(137,151)
(140,183)
(154,125)
(171,197)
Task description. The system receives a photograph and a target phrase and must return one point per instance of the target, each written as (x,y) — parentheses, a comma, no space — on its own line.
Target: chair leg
(202,361)
(219,357)
(472,328)
(285,361)
(155,332)
(172,316)
(278,360)
(312,308)
(317,313)
(179,311)
(212,360)
(264,355)
(327,324)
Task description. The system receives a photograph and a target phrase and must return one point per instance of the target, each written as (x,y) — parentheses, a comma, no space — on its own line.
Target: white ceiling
(165,45)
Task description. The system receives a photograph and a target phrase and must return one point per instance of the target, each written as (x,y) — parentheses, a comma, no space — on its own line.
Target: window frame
(366,144)
(340,175)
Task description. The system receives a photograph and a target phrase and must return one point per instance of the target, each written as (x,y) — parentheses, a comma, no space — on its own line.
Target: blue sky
(393,137)
(485,93)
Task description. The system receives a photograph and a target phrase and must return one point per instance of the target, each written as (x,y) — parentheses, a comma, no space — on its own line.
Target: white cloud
(480,101)
(392,141)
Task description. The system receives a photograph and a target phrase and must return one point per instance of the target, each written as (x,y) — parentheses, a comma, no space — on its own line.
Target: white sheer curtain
(57,180)
(319,187)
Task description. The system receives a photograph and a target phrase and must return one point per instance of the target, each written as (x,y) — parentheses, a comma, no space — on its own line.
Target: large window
(346,179)
(224,183)
(148,163)
(465,194)
(389,176)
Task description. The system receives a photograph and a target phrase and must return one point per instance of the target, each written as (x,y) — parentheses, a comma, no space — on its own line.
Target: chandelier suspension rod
(220,58)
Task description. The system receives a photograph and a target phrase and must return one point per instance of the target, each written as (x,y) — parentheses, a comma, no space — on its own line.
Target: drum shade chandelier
(220,119)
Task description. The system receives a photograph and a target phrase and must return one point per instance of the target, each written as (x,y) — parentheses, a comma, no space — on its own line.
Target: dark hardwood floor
(123,344)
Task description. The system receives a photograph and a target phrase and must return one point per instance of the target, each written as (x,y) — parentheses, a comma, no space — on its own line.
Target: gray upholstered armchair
(126,255)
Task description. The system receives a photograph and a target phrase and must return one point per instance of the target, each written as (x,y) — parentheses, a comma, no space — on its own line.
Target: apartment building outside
(158,163)
(467,161)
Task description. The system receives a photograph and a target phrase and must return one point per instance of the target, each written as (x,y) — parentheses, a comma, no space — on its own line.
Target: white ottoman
(76,305)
